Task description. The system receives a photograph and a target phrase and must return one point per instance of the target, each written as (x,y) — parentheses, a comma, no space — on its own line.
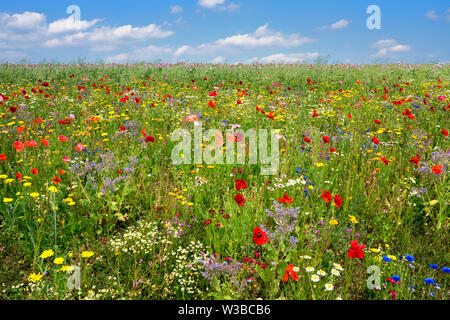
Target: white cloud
(399,48)
(231,7)
(384,43)
(432,15)
(175,9)
(209,4)
(285,58)
(22,21)
(30,29)
(219,59)
(144,54)
(387,47)
(337,25)
(219,5)
(70,24)
(109,38)
(13,56)
(262,37)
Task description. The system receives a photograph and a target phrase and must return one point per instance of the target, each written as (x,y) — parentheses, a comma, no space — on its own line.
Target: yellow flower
(66,268)
(47,253)
(58,261)
(87,254)
(392,257)
(34,194)
(375,250)
(6,200)
(353,219)
(333,222)
(53,189)
(35,277)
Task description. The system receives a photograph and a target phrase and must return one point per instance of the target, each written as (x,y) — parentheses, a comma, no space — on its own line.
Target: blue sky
(228,31)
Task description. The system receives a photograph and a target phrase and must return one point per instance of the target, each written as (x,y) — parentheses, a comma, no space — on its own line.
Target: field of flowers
(92,207)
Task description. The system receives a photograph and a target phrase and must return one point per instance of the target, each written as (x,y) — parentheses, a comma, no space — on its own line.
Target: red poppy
(315,114)
(444,132)
(290,272)
(34,171)
(437,169)
(19,176)
(211,104)
(30,143)
(149,139)
(285,199)
(326,196)
(377,121)
(2,157)
(332,149)
(61,172)
(355,250)
(308,140)
(326,139)
(386,161)
(414,160)
(239,198)
(18,146)
(408,114)
(56,180)
(241,184)
(62,138)
(375,140)
(338,201)
(79,147)
(122,128)
(259,236)
(44,142)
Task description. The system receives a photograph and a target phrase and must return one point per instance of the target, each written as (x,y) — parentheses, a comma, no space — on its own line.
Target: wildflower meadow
(100,198)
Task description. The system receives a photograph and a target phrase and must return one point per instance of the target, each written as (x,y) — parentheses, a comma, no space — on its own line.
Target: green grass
(159,209)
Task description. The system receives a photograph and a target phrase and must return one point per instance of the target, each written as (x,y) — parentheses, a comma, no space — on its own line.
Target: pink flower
(79,147)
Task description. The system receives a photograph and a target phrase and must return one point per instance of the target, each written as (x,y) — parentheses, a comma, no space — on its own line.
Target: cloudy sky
(219,31)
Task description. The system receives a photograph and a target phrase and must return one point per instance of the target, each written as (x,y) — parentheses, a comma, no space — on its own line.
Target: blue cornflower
(429,280)
(434,266)
(410,258)
(396,278)
(386,258)
(446,269)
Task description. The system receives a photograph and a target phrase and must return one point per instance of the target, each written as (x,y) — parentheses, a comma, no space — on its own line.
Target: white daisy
(335,272)
(309,269)
(315,278)
(329,286)
(321,273)
(338,266)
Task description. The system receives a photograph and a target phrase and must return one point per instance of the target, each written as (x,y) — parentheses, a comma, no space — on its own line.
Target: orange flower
(290,272)
(437,169)
(285,199)
(18,146)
